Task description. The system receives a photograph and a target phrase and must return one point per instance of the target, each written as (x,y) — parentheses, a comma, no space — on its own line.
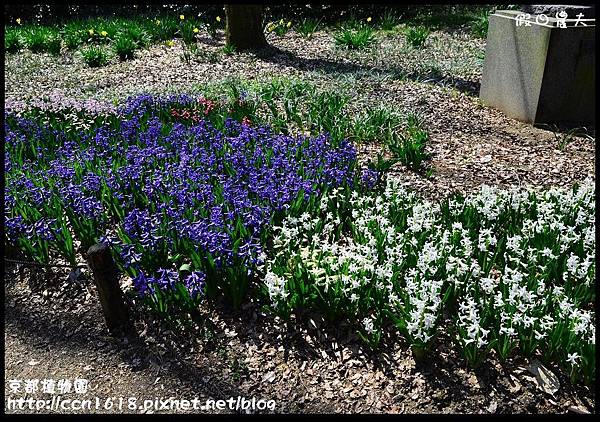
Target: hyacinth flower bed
(184,195)
(504,272)
(199,201)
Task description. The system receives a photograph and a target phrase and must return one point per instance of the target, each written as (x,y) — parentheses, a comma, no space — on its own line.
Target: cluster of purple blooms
(165,280)
(154,187)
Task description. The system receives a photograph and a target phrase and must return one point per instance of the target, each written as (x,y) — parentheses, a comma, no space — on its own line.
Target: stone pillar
(541,73)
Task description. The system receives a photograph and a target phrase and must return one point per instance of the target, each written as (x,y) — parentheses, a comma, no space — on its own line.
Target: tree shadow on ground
(444,369)
(74,332)
(213,42)
(77,328)
(273,54)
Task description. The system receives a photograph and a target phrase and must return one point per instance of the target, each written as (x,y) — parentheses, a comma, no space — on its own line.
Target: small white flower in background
(368,324)
(487,284)
(572,358)
(275,286)
(547,252)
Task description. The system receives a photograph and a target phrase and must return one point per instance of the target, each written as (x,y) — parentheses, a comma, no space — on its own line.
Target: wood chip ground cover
(303,366)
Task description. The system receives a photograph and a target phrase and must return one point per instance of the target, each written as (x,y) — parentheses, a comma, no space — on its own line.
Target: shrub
(124,47)
(361,37)
(479,26)
(416,36)
(95,56)
(12,41)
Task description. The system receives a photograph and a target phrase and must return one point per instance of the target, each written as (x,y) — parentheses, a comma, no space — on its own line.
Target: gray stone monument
(538,71)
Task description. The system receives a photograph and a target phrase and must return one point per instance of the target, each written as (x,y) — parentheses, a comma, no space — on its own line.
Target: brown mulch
(473,145)
(163,69)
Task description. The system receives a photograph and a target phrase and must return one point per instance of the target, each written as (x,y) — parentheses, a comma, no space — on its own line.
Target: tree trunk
(244,28)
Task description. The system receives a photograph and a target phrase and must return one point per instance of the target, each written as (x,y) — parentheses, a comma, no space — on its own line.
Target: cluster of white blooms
(581,321)
(80,113)
(524,259)
(579,270)
(469,322)
(276,286)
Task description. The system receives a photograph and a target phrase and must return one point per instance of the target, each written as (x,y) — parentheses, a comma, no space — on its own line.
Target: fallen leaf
(579,410)
(269,377)
(545,379)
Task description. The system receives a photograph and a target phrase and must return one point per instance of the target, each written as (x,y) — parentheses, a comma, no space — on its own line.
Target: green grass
(307,27)
(292,106)
(53,44)
(82,32)
(353,37)
(564,137)
(41,39)
(162,29)
(389,20)
(289,106)
(447,17)
(12,41)
(208,56)
(229,49)
(416,36)
(475,18)
(376,123)
(212,26)
(138,35)
(74,36)
(35,39)
(95,56)
(124,47)
(280,27)
(325,114)
(408,147)
(188,35)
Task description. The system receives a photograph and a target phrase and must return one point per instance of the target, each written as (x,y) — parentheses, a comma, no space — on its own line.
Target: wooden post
(105,277)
